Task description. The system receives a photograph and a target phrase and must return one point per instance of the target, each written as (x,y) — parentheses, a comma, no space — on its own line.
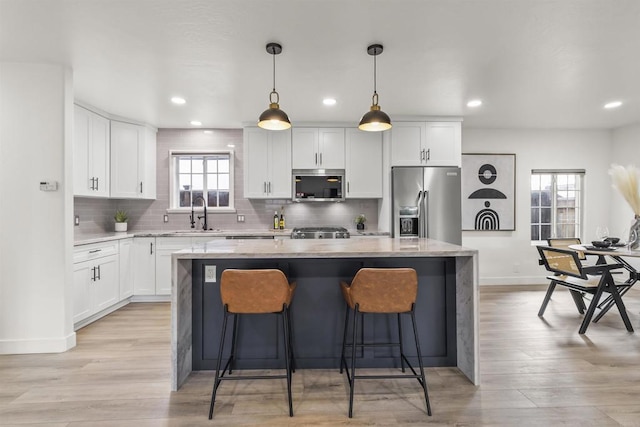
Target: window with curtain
(556,204)
(202,176)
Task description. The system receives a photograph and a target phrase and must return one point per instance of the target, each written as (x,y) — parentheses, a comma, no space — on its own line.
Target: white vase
(121,226)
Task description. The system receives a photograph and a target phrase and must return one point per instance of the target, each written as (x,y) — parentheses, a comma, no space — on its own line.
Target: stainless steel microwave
(319,185)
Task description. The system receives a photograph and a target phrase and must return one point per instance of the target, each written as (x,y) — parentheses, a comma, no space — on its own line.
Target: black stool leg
(343,362)
(234,343)
(400,340)
(352,383)
(423,381)
(286,343)
(293,359)
(216,382)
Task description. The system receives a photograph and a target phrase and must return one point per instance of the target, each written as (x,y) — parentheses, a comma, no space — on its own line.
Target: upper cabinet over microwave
(317,148)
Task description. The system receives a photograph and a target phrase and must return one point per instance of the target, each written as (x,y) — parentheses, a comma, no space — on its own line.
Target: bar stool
(260,291)
(381,290)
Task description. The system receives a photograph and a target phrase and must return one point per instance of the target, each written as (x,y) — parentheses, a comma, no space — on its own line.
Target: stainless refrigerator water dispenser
(408,221)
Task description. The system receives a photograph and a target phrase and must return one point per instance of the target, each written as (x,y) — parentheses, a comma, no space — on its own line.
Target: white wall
(508,257)
(36,113)
(626,151)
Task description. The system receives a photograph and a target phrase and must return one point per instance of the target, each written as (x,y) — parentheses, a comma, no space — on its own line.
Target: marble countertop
(86,239)
(324,248)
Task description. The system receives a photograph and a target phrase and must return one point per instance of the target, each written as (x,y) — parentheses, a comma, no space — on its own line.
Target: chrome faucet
(192,218)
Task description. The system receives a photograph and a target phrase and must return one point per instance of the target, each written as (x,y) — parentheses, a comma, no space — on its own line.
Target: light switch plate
(166,218)
(76,220)
(210,274)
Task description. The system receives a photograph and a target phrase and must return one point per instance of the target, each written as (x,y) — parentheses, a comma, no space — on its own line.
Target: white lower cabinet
(95,279)
(144,266)
(165,247)
(126,268)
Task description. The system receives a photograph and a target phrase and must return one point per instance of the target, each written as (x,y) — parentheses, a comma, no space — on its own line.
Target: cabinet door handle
(97,183)
(348,190)
(422,154)
(320,159)
(269,187)
(140,187)
(316,158)
(429,154)
(98,272)
(94,251)
(93,180)
(93,274)
(264,186)
(151,248)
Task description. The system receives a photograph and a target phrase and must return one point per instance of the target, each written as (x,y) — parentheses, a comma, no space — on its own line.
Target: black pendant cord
(374,74)
(274,71)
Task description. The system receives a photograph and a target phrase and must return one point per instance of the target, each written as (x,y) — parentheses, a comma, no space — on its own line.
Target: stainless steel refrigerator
(426,202)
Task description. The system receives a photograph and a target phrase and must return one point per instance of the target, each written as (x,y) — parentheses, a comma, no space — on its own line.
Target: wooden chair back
(564,242)
(561,261)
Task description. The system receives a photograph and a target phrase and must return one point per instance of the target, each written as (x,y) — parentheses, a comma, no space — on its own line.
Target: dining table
(617,253)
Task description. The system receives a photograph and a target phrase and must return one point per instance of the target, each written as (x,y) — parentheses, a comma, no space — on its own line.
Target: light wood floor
(535,372)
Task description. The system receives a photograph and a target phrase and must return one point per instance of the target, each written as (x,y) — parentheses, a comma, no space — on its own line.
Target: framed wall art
(488,192)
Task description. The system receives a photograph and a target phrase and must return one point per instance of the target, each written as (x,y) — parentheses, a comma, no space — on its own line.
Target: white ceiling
(534,63)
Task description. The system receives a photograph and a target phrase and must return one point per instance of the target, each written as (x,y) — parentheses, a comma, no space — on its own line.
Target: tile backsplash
(96,215)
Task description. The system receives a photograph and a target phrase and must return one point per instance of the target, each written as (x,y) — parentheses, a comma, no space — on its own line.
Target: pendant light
(375,119)
(273,118)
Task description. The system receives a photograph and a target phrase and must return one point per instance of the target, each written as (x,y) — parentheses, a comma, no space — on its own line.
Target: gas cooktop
(320,233)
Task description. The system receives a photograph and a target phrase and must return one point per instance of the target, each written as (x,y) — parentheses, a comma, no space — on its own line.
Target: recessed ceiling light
(231,145)
(208,131)
(178,100)
(614,104)
(196,123)
(329,101)
(474,103)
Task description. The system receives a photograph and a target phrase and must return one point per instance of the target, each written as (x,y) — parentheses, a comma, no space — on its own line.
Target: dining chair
(567,270)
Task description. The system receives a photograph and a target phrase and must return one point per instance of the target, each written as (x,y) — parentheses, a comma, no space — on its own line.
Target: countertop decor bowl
(612,240)
(601,243)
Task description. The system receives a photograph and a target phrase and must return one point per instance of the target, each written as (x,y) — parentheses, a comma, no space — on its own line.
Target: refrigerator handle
(424,212)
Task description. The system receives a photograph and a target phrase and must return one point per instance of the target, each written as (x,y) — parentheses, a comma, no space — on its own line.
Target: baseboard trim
(82,323)
(47,345)
(507,281)
(151,298)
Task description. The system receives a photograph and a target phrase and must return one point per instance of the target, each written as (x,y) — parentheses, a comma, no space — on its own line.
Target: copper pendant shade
(375,120)
(273,118)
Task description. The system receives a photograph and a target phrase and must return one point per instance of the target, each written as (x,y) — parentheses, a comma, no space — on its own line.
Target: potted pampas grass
(625,180)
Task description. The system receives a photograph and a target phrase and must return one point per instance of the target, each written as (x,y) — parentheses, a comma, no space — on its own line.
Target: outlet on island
(240,218)
(210,274)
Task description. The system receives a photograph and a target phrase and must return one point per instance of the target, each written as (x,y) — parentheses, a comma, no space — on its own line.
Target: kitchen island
(446,308)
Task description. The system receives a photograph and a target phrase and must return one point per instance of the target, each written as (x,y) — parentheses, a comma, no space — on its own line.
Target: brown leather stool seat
(260,291)
(381,290)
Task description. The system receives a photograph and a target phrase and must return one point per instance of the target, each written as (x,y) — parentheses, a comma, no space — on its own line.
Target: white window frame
(174,191)
(554,196)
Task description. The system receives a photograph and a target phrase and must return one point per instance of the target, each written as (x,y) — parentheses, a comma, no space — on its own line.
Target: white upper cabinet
(90,154)
(318,148)
(364,164)
(267,163)
(426,144)
(133,161)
